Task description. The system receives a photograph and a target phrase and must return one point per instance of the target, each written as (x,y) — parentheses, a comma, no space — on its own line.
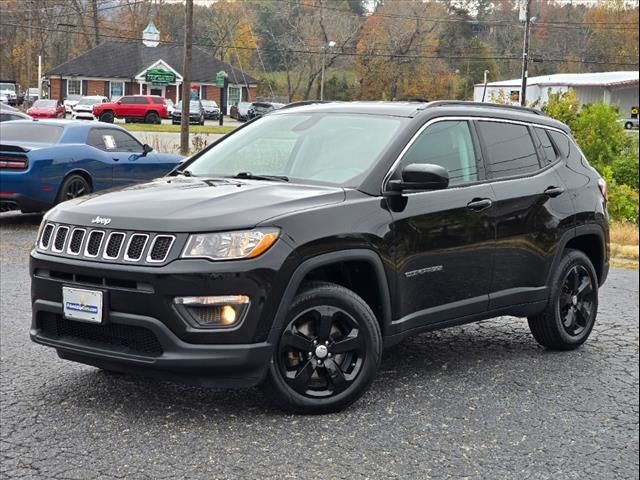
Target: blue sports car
(44,162)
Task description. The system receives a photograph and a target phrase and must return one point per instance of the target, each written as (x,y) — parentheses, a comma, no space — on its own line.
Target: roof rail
(302,103)
(440,103)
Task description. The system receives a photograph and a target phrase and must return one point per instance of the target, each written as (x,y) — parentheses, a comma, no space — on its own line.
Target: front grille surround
(76,233)
(113,245)
(47,235)
(109,246)
(59,239)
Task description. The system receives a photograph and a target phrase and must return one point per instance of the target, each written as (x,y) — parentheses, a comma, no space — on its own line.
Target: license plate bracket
(83,305)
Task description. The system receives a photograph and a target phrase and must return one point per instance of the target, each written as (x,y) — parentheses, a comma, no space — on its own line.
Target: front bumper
(82,114)
(142,330)
(169,357)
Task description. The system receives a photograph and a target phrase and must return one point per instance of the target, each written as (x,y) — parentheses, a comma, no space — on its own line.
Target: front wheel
(152,117)
(628,125)
(571,312)
(328,352)
(106,117)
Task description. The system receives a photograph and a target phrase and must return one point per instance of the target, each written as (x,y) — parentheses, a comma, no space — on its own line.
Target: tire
(152,117)
(74,186)
(628,126)
(574,290)
(327,354)
(106,117)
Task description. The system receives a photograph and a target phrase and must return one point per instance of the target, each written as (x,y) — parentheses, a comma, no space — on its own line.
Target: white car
(83,110)
(70,102)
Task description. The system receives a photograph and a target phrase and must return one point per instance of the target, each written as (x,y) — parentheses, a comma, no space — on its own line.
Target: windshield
(193,106)
(22,132)
(89,101)
(209,103)
(8,86)
(328,148)
(45,104)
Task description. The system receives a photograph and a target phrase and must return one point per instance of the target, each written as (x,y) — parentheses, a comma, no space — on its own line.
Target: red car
(47,109)
(146,108)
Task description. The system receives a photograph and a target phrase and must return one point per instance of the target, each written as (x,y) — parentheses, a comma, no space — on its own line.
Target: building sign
(158,76)
(220,78)
(634,112)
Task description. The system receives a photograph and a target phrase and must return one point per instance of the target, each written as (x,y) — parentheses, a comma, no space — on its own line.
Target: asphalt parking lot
(479,401)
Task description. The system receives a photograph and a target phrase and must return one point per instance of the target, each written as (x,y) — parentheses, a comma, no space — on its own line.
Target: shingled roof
(127,59)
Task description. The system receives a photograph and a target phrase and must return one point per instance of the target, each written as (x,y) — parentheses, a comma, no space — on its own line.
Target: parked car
(211,110)
(240,111)
(46,109)
(145,108)
(8,116)
(196,113)
(8,108)
(46,162)
(70,102)
(258,109)
(84,108)
(630,123)
(292,251)
(10,93)
(32,95)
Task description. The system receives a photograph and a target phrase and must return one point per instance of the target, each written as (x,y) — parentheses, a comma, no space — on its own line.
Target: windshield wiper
(186,173)
(251,176)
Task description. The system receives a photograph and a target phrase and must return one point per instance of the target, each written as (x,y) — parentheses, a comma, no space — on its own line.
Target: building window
(116,90)
(514,96)
(74,87)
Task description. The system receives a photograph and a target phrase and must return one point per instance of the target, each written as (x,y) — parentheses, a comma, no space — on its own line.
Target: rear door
(140,107)
(529,210)
(443,239)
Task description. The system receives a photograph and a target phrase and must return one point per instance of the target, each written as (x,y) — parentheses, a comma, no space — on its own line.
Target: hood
(179,204)
(41,111)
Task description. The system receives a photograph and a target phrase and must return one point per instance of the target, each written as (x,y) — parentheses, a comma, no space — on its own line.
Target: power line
(346,54)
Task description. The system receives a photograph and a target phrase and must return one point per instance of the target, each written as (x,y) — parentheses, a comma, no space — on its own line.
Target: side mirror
(119,102)
(146,149)
(421,176)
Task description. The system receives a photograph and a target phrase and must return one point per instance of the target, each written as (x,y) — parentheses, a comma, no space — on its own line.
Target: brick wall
(95,87)
(55,87)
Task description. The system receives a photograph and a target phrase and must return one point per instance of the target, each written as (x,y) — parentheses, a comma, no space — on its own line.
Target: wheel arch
(76,171)
(590,240)
(322,266)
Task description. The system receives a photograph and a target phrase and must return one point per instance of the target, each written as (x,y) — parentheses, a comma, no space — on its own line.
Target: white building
(619,88)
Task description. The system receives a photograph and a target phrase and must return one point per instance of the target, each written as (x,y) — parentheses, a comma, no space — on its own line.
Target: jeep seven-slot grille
(99,244)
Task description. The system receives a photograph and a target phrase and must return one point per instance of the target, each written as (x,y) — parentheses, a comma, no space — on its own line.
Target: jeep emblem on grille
(101,220)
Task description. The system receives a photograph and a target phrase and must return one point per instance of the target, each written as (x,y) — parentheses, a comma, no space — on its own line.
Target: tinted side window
(562,143)
(545,146)
(95,139)
(127,100)
(123,141)
(158,100)
(509,149)
(140,100)
(449,145)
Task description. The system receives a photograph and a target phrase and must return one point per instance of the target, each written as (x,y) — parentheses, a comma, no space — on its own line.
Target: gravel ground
(479,401)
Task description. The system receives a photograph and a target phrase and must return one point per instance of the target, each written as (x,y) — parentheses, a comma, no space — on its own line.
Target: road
(482,401)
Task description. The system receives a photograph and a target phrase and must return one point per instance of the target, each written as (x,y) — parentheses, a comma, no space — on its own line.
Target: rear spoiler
(14,148)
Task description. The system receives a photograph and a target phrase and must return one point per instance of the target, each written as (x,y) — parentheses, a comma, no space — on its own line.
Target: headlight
(230,245)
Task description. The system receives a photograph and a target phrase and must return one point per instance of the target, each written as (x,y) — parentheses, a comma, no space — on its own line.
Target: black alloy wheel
(73,187)
(152,117)
(321,351)
(576,300)
(328,351)
(570,314)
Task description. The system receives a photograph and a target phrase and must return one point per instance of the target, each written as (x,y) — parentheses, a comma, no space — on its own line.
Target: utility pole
(186,78)
(484,92)
(331,44)
(96,21)
(525,50)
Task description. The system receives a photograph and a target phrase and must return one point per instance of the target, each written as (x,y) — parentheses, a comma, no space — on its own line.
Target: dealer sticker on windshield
(80,304)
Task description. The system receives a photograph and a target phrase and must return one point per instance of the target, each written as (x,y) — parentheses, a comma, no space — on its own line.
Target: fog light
(211,312)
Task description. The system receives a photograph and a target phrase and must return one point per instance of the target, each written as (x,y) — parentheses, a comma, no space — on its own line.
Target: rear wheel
(106,117)
(152,117)
(628,125)
(573,305)
(73,186)
(328,352)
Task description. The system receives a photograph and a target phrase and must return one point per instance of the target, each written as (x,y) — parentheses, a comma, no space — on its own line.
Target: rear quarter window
(562,142)
(509,149)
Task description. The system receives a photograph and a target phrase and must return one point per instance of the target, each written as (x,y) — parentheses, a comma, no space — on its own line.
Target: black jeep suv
(292,251)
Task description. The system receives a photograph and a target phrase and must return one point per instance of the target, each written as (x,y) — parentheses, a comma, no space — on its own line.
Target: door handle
(479,204)
(553,191)
(115,159)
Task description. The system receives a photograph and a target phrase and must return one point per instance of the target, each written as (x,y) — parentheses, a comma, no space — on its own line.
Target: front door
(443,238)
(159,91)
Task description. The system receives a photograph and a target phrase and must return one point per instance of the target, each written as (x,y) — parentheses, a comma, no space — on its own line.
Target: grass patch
(628,252)
(202,129)
(623,233)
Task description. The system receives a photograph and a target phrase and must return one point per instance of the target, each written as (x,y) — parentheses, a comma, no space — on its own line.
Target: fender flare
(322,260)
(579,231)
